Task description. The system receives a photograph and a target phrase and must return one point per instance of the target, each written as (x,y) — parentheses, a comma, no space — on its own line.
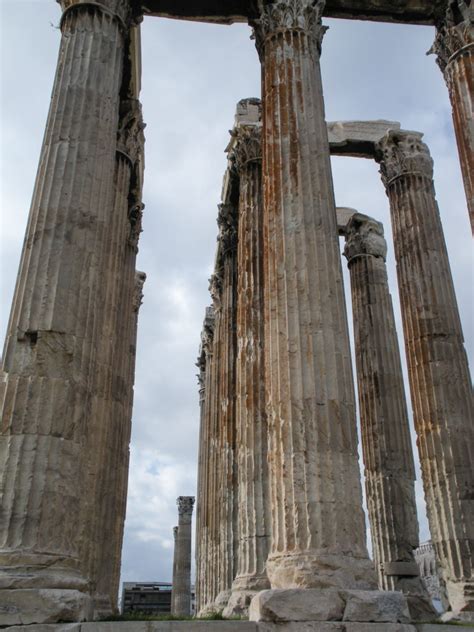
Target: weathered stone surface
(26,606)
(376,606)
(245,152)
(386,440)
(357,138)
(308,369)
(51,365)
(411,11)
(297,605)
(440,381)
(181,592)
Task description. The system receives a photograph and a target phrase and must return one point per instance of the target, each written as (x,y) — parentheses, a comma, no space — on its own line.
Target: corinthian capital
(130,136)
(246,145)
(401,153)
(364,236)
(122,10)
(454,33)
(185,504)
(289,15)
(227,223)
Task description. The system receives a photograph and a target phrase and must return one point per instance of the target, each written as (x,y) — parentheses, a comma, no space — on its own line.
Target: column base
(358,606)
(314,569)
(461,601)
(244,589)
(33,605)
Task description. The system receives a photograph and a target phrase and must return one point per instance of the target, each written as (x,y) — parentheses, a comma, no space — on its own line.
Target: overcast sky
(193,75)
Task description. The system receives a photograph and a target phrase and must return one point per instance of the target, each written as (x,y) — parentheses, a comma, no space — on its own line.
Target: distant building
(426,560)
(149,597)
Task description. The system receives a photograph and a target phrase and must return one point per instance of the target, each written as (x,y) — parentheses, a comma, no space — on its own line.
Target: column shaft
(454,46)
(386,441)
(318,530)
(440,382)
(251,427)
(50,355)
(181,595)
(175,555)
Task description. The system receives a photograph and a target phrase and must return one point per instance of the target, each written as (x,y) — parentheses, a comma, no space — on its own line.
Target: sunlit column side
(318,529)
(385,431)
(225,361)
(181,591)
(454,47)
(50,354)
(251,428)
(440,381)
(108,443)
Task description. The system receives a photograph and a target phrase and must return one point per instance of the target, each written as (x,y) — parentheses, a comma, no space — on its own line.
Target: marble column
(386,442)
(50,355)
(226,483)
(175,555)
(318,527)
(454,47)
(108,442)
(439,375)
(204,364)
(251,428)
(181,593)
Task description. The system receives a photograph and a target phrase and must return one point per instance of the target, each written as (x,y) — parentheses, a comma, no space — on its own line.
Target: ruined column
(181,594)
(454,47)
(386,442)
(440,382)
(202,527)
(318,529)
(251,427)
(50,355)
(175,555)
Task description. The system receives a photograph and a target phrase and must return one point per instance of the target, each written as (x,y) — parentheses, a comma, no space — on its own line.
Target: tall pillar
(454,47)
(175,555)
(202,527)
(181,594)
(226,483)
(251,427)
(50,354)
(440,382)
(108,445)
(386,442)
(318,528)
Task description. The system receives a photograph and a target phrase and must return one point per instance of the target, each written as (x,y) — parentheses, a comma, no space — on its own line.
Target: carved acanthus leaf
(454,33)
(400,153)
(185,504)
(130,136)
(215,289)
(247,145)
(289,15)
(364,236)
(140,278)
(227,218)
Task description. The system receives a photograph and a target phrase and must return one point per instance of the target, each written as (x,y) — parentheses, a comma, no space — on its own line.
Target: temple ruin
(280,535)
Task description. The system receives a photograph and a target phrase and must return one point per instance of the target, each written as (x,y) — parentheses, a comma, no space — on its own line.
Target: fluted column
(440,382)
(386,442)
(202,555)
(181,594)
(50,354)
(108,442)
(454,47)
(318,530)
(251,427)
(225,361)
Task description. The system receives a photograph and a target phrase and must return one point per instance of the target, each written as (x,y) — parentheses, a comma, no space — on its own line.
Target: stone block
(302,626)
(376,606)
(297,605)
(29,606)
